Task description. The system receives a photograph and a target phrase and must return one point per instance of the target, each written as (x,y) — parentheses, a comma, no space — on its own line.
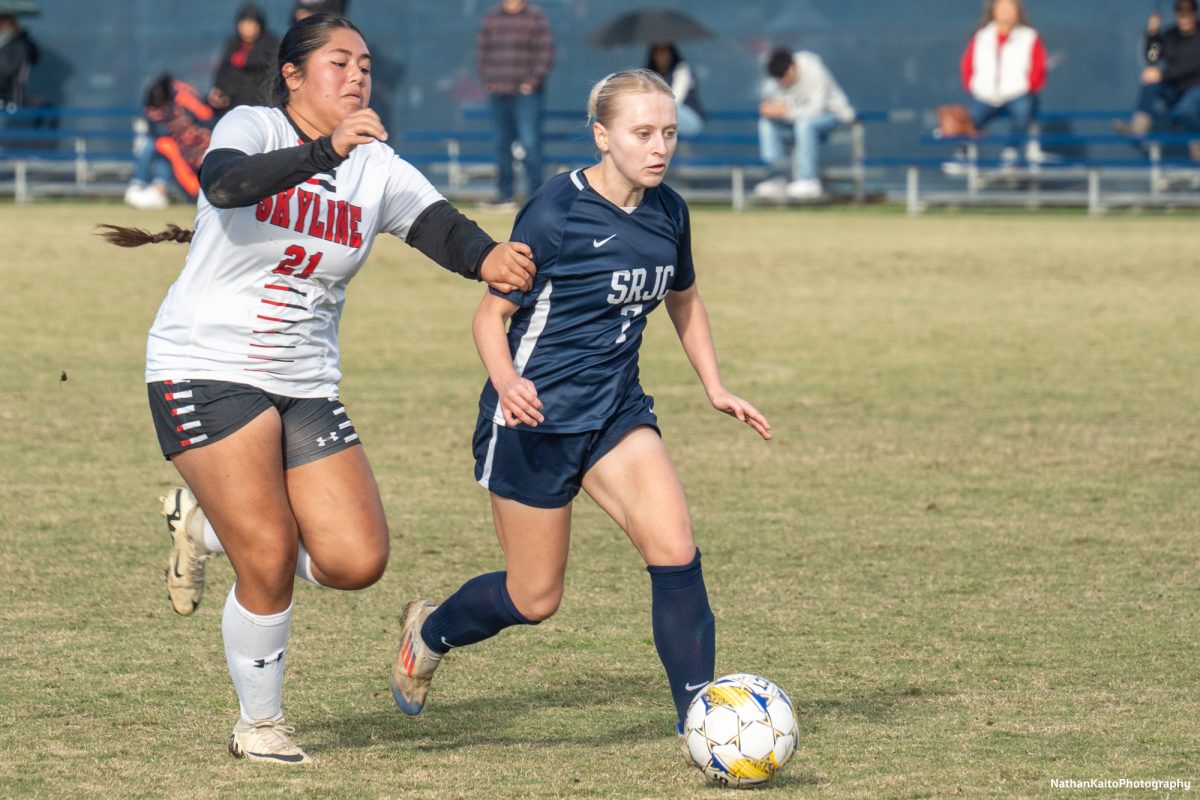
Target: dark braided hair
(135,237)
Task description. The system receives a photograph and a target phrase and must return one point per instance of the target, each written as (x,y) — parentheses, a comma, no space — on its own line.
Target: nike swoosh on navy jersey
(602,242)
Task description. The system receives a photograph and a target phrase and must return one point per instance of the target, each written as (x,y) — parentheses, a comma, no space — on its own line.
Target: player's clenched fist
(361,127)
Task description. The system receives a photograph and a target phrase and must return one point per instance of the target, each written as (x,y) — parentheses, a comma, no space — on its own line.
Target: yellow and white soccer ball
(741,730)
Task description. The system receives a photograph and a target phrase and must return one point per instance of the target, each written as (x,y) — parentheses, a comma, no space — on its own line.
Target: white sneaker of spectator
(152,197)
(959,165)
(804,189)
(771,189)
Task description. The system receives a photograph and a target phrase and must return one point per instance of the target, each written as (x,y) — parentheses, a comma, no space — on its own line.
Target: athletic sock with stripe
(255,645)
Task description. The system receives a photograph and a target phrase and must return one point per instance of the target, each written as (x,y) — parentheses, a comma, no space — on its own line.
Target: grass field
(970,556)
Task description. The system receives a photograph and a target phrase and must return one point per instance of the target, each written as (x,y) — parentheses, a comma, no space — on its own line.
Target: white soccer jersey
(261,293)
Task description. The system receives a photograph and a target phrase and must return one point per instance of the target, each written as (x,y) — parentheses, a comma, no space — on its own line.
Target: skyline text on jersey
(334,221)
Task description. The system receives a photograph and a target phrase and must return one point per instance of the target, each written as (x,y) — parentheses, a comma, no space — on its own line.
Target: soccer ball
(741,730)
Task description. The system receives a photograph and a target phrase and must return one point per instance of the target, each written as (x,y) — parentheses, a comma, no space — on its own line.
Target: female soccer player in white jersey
(242,362)
(564,408)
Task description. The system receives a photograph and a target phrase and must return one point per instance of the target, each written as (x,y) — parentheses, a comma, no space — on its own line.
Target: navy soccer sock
(684,629)
(480,609)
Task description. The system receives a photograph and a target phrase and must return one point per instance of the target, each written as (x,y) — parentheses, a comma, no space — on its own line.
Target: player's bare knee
(538,606)
(679,554)
(672,547)
(366,571)
(270,578)
(356,570)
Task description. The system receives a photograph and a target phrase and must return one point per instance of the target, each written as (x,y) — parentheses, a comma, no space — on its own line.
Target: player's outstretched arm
(690,318)
(518,396)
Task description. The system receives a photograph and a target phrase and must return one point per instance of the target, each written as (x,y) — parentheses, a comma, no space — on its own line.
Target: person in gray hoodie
(801,102)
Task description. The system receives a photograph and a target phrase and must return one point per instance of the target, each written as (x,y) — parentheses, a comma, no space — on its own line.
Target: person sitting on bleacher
(801,101)
(1004,68)
(664,58)
(1171,77)
(17,54)
(179,134)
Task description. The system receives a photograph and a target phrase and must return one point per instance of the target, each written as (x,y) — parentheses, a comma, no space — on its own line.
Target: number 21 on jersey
(293,257)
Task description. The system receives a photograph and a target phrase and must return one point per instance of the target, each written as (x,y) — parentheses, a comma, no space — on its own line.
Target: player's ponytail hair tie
(135,237)
(602,102)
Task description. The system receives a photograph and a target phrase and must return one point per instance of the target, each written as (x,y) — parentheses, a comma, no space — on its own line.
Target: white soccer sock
(211,542)
(254,651)
(303,559)
(304,565)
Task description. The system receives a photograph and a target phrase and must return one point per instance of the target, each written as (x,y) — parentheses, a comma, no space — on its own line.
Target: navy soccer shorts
(196,413)
(546,470)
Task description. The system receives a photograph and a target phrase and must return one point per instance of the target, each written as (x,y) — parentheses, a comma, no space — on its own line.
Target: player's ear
(292,76)
(601,137)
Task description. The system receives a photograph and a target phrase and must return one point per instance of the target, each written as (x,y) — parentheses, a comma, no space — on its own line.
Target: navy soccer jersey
(601,270)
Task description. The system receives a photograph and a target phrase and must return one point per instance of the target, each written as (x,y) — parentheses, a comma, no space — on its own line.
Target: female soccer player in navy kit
(242,361)
(564,409)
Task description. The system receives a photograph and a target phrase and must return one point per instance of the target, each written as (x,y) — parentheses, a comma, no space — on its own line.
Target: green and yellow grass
(970,555)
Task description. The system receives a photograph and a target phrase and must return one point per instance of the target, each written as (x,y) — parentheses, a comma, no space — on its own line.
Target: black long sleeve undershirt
(233,179)
(450,239)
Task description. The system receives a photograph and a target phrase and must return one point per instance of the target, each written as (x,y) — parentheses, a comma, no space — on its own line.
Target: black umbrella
(647,27)
(19,8)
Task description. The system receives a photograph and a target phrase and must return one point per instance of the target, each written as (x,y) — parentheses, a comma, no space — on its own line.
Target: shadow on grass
(874,705)
(504,718)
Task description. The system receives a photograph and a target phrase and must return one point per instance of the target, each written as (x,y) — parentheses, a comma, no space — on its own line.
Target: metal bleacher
(88,152)
(66,151)
(716,165)
(1085,164)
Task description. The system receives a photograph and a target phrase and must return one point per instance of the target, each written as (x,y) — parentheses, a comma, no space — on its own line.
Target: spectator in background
(178,123)
(18,53)
(306,8)
(516,52)
(247,63)
(801,102)
(1003,69)
(665,59)
(1172,75)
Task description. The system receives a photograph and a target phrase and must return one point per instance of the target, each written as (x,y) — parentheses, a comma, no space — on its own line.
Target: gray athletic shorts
(196,413)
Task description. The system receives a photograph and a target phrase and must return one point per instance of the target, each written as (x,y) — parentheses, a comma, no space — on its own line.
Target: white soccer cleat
(415,663)
(185,567)
(266,740)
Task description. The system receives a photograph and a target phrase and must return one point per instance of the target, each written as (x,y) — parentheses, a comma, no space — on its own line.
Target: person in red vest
(1004,69)
(178,126)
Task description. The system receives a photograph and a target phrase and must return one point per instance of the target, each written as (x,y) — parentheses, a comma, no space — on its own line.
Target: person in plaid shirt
(516,53)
